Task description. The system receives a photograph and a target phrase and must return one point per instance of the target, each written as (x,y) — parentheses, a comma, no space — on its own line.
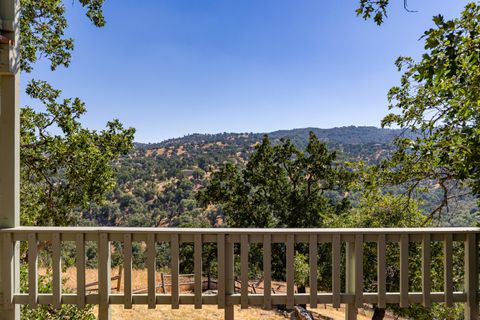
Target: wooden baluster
(227,255)
(404,270)
(290,270)
(426,264)
(104,270)
(127,267)
(32,270)
(221,270)
(80,264)
(8,270)
(198,270)
(359,270)
(350,282)
(267,271)
(151,270)
(175,270)
(313,269)
(471,277)
(56,270)
(381,271)
(336,248)
(448,269)
(244,270)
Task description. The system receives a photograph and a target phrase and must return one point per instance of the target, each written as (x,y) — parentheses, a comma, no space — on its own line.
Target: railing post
(9,156)
(104,266)
(471,276)
(229,278)
(351,308)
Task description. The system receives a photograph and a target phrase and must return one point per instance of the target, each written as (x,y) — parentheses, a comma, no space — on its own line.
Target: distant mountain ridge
(349,135)
(157,182)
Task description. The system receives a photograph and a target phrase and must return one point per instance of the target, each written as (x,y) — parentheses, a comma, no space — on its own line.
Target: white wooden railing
(354,295)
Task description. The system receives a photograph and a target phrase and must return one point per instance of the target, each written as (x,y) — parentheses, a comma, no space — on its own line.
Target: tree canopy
(69,169)
(64,165)
(281,186)
(42,27)
(439,101)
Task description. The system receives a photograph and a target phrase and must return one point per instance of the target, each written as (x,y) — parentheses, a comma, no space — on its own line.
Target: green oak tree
(378,209)
(43,25)
(64,166)
(376,10)
(438,100)
(281,186)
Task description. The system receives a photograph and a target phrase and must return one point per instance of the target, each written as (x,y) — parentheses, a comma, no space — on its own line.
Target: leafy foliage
(373,9)
(47,312)
(157,182)
(281,186)
(69,169)
(439,100)
(63,165)
(43,24)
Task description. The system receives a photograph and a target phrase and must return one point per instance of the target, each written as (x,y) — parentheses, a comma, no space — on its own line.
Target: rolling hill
(157,181)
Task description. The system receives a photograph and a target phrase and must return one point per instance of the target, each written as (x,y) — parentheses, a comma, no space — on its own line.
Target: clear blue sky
(174,67)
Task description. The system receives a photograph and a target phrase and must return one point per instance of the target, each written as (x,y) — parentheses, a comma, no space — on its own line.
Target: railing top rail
(462,230)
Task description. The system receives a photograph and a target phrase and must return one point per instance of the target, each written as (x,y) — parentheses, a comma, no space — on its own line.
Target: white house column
(9,152)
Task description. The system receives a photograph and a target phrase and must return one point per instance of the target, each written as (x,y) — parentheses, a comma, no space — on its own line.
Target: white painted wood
(229,284)
(404,270)
(426,276)
(80,264)
(267,271)
(7,280)
(354,296)
(56,270)
(244,270)
(32,270)
(127,270)
(151,270)
(461,231)
(359,270)
(351,308)
(313,250)
(10,154)
(221,270)
(471,277)
(448,269)
(175,270)
(336,253)
(9,147)
(198,270)
(104,271)
(290,270)
(381,271)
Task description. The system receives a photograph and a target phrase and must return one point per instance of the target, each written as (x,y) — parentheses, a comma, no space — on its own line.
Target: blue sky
(174,67)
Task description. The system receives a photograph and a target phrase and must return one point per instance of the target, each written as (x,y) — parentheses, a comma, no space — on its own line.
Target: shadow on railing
(353,293)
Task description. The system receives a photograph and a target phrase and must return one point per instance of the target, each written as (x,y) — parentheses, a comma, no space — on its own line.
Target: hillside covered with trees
(158,182)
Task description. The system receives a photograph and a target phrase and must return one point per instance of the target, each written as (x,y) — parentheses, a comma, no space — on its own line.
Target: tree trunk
(378,313)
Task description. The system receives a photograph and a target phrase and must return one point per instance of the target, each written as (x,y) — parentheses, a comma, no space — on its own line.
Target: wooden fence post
(104,286)
(471,277)
(351,308)
(229,278)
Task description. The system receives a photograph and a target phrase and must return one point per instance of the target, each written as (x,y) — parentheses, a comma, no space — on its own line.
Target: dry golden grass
(188,312)
(139,281)
(212,313)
